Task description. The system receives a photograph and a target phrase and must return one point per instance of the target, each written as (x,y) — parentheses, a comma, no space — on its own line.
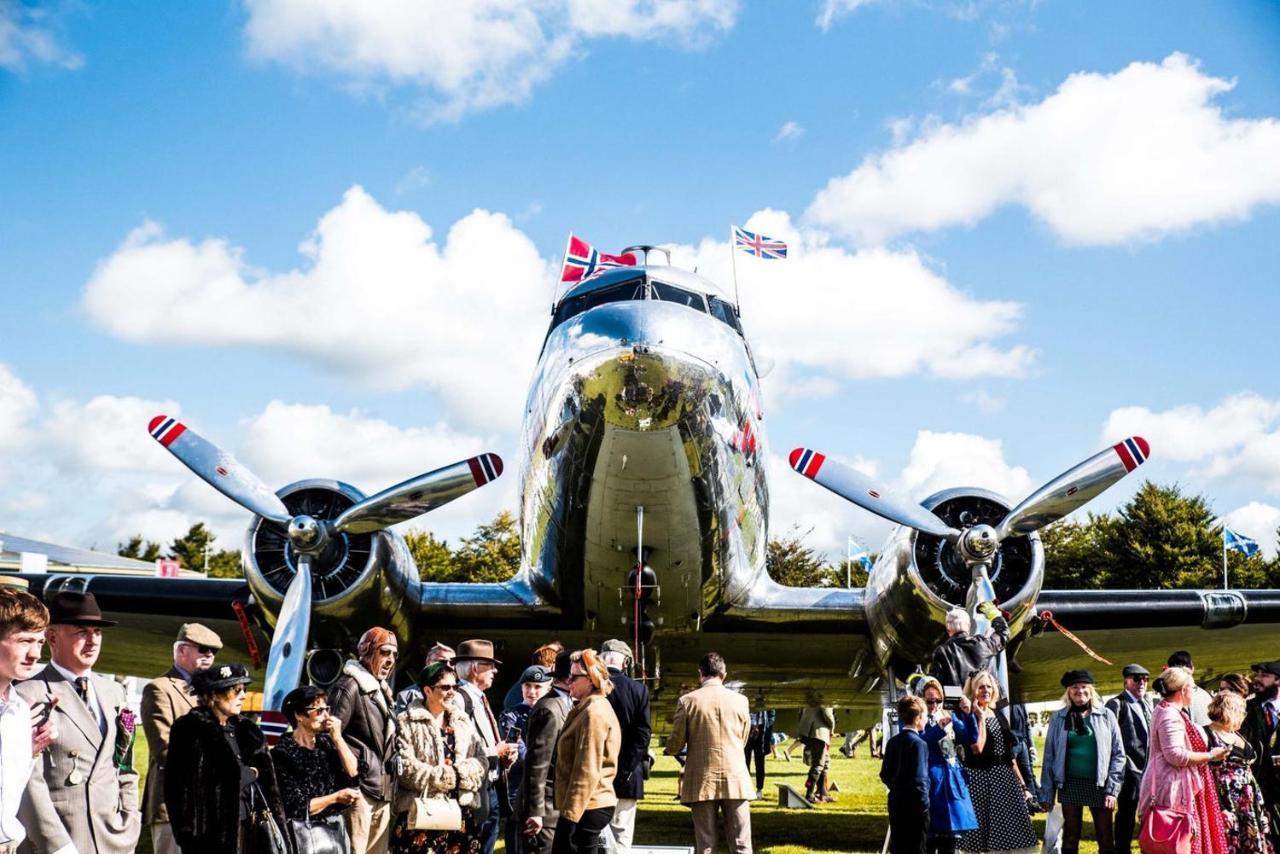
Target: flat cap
(1075,677)
(616,645)
(535,673)
(1272,667)
(199,635)
(1131,670)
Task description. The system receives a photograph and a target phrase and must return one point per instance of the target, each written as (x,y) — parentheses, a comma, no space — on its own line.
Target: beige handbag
(435,814)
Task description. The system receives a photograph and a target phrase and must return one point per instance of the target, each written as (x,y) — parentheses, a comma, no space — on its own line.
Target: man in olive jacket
(715,722)
(535,805)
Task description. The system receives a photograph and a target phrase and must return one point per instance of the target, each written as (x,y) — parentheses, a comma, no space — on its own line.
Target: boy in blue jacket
(905,771)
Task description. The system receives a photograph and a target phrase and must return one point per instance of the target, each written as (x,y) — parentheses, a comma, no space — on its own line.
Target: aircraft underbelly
(646,469)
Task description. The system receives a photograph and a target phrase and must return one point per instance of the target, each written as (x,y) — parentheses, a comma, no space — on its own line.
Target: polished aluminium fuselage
(643,403)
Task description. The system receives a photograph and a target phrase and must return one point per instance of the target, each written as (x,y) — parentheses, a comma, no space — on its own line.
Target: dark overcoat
(630,701)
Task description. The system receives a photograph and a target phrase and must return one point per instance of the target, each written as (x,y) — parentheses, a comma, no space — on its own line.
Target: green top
(1082,754)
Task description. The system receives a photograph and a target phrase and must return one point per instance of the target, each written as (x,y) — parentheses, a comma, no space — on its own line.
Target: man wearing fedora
(84,792)
(630,701)
(164,700)
(476,668)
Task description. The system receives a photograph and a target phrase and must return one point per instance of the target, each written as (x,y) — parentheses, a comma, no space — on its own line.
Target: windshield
(576,305)
(724,312)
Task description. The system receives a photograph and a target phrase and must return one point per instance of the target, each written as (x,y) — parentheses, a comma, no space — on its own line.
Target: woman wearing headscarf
(950,808)
(1243,812)
(441,756)
(220,771)
(1177,776)
(1084,762)
(998,792)
(586,758)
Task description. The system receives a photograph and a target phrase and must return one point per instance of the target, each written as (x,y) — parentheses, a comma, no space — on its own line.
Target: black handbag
(326,835)
(266,836)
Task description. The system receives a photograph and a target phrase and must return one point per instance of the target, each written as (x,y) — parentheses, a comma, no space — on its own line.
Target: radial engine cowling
(358,581)
(921,576)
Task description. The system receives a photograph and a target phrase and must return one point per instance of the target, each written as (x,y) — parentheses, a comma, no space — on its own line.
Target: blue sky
(327,233)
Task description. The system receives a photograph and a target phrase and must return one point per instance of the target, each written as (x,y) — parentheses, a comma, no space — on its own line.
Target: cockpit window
(670,293)
(576,305)
(724,312)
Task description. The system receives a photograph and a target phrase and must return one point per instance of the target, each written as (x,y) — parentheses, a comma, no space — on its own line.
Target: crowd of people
(1163,763)
(559,768)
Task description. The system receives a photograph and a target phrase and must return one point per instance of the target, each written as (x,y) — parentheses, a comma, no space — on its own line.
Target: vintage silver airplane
(643,514)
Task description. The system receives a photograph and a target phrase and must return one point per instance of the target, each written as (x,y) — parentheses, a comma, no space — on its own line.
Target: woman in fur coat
(441,756)
(219,771)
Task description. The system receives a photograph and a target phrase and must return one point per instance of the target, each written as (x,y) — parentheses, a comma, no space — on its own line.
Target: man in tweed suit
(164,700)
(715,722)
(84,791)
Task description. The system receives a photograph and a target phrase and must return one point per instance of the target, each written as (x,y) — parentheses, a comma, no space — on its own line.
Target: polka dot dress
(1003,821)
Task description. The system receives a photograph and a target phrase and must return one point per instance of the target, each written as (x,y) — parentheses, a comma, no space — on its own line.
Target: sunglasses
(573,677)
(203,650)
(317,710)
(448,687)
(933,702)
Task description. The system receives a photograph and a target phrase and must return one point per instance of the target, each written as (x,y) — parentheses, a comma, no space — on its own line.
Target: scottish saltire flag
(1239,542)
(757,244)
(858,554)
(582,260)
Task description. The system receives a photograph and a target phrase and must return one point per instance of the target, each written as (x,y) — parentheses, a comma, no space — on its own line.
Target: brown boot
(823,795)
(808,791)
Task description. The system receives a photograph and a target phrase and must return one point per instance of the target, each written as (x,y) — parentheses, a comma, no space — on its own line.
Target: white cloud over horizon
(1239,439)
(465,56)
(1136,155)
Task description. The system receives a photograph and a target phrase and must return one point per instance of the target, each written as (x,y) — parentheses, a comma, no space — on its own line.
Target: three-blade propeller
(977,544)
(309,536)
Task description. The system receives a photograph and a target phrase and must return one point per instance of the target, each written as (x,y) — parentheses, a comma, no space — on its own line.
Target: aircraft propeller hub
(979,543)
(307,534)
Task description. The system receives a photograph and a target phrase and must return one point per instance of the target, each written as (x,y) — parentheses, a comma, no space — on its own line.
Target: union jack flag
(757,244)
(582,260)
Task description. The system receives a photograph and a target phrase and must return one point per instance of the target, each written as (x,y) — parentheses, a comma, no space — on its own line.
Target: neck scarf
(1076,718)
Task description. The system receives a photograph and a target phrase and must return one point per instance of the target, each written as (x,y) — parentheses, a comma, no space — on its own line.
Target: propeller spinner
(308,536)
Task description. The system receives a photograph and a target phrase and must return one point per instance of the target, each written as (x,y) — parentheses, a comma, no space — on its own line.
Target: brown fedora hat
(476,650)
(76,609)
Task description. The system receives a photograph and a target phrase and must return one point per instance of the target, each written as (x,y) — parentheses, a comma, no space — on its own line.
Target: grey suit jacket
(164,700)
(78,796)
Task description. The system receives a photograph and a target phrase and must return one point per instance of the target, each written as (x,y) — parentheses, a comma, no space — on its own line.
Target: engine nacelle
(358,581)
(919,577)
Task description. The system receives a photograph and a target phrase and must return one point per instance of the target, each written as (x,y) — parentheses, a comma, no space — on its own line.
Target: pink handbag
(1165,831)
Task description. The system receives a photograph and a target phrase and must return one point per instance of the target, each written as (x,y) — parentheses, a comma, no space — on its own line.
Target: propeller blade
(1074,488)
(218,468)
(419,495)
(289,643)
(852,486)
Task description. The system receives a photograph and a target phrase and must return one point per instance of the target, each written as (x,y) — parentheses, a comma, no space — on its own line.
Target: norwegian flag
(757,244)
(582,260)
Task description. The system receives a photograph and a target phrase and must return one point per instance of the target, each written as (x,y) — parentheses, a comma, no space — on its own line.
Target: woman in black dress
(220,771)
(998,793)
(315,767)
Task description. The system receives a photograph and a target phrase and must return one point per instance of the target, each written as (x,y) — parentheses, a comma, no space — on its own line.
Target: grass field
(856,822)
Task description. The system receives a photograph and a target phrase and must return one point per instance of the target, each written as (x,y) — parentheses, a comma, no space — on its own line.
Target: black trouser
(757,747)
(1073,819)
(908,824)
(582,836)
(1127,813)
(942,843)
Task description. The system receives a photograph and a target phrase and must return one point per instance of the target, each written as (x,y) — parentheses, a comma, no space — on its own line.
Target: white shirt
(95,707)
(16,763)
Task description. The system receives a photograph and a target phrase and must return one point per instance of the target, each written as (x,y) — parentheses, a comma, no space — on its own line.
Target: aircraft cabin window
(670,293)
(724,312)
(573,306)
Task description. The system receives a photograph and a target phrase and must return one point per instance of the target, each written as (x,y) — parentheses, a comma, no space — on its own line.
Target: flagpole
(848,565)
(733,261)
(1225,586)
(555,293)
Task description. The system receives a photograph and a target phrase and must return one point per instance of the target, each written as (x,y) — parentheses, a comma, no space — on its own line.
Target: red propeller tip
(1143,446)
(497,464)
(795,456)
(156,422)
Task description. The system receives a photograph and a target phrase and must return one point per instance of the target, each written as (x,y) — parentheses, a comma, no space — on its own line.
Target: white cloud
(854,315)
(378,301)
(1237,439)
(984,401)
(29,35)
(944,460)
(466,56)
(1256,520)
(789,132)
(1108,158)
(833,10)
(17,405)
(104,479)
(417,178)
